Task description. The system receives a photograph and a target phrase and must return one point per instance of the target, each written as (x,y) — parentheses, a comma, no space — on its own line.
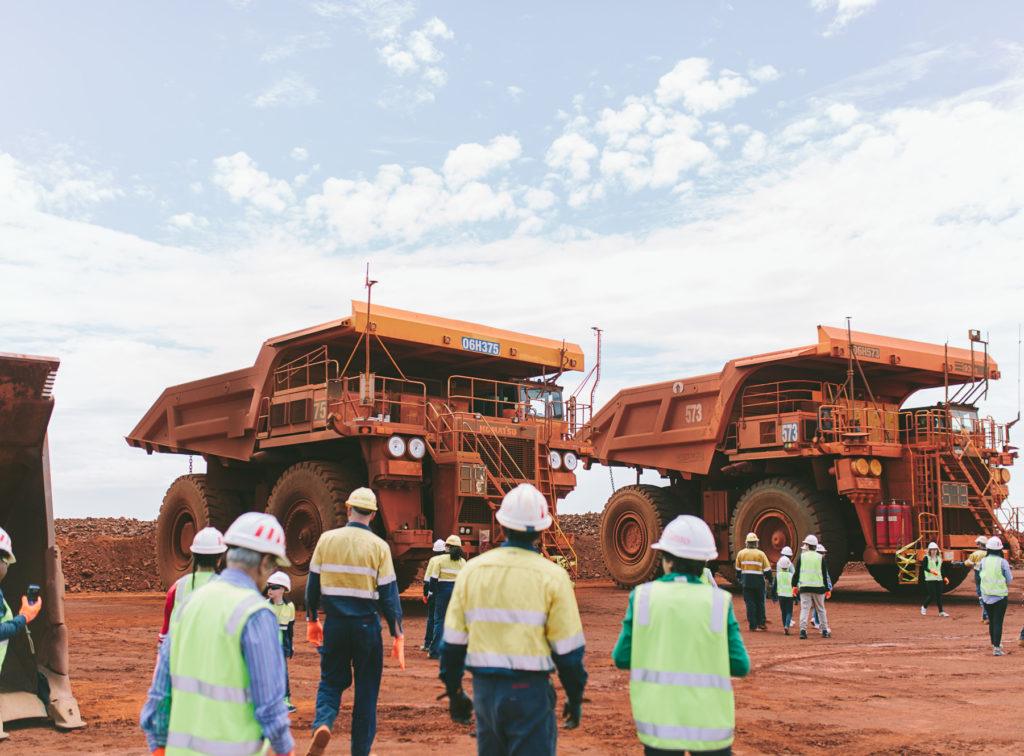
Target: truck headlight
(417,448)
(554,459)
(396,446)
(570,461)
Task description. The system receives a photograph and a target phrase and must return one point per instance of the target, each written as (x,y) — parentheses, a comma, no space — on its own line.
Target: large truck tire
(308,499)
(887,576)
(782,512)
(189,506)
(632,520)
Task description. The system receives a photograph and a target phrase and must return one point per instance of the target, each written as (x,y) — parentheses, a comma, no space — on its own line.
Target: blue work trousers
(753,597)
(442,597)
(515,715)
(352,649)
(428,637)
(786,605)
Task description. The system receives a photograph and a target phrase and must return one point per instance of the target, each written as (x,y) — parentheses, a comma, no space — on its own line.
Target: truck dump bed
(26,513)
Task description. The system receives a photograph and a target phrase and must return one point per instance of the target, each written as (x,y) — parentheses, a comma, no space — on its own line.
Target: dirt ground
(889,682)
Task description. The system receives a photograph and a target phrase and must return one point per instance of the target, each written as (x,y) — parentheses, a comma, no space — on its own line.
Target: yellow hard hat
(363,498)
(453,540)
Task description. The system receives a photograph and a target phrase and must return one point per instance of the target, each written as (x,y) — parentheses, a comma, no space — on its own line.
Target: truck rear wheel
(307,500)
(782,511)
(887,576)
(632,520)
(189,506)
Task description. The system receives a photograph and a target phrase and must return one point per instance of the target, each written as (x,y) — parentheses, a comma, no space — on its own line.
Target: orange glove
(315,633)
(30,611)
(159,751)
(399,650)
(424,599)
(946,580)
(795,591)
(828,594)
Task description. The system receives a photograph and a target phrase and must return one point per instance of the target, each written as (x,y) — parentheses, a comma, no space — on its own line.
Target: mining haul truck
(439,417)
(34,679)
(812,440)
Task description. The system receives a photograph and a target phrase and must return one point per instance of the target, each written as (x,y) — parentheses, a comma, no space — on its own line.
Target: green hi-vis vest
(679,682)
(993,581)
(931,565)
(810,570)
(188,583)
(211,706)
(783,583)
(8,616)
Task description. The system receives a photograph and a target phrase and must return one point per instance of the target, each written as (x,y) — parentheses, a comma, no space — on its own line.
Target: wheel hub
(182,533)
(630,538)
(302,529)
(774,530)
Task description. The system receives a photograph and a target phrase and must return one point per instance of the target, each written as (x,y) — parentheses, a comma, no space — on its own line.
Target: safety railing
(314,368)
(942,427)
(390,400)
(780,397)
(859,423)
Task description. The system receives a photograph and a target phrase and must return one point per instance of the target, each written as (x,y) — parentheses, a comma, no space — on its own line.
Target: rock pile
(587,528)
(107,554)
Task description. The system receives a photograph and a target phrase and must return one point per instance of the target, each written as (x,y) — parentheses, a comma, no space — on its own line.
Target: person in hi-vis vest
(682,646)
(809,582)
(933,579)
(219,684)
(995,575)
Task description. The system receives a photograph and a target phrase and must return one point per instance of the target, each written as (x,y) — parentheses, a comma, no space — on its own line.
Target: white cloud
(755,147)
(846,11)
(241,178)
(300,153)
(514,92)
(187,222)
(472,161)
(58,182)
(380,18)
(764,74)
(843,114)
(573,153)
(417,53)
(539,199)
(690,81)
(291,90)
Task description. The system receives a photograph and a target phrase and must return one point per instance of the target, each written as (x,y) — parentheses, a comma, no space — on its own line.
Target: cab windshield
(542,401)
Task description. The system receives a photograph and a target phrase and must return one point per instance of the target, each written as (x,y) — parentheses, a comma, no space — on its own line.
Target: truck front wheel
(308,499)
(632,520)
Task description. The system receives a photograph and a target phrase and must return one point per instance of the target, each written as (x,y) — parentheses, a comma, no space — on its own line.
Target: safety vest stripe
(176,615)
(384,580)
(717,615)
(226,693)
(330,590)
(643,604)
(510,661)
(348,568)
(681,732)
(662,677)
(565,645)
(451,570)
(507,616)
(933,566)
(457,637)
(241,611)
(213,747)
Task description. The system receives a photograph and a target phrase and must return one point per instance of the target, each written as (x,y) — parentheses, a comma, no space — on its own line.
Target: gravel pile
(107,554)
(587,528)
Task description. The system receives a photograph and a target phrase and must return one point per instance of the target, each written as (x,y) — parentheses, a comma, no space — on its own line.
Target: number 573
(694,413)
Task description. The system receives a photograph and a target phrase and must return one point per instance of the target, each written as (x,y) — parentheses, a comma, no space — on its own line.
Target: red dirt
(107,554)
(890,682)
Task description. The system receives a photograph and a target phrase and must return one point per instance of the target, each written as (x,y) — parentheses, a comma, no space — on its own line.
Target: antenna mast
(369,291)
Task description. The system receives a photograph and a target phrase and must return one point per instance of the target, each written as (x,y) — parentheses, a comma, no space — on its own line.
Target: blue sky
(180,181)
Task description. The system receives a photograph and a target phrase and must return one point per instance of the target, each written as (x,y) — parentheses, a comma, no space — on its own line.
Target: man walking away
(219,684)
(352,574)
(428,595)
(442,582)
(995,575)
(809,577)
(754,569)
(513,620)
(974,560)
(931,569)
(682,646)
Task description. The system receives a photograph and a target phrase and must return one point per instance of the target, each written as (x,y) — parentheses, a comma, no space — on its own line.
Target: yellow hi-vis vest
(212,711)
(783,583)
(184,585)
(679,682)
(810,570)
(993,581)
(447,569)
(933,568)
(512,608)
(8,616)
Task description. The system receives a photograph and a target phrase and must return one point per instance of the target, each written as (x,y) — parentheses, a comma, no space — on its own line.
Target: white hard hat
(5,545)
(363,498)
(811,540)
(981,540)
(751,538)
(784,562)
(439,545)
(820,548)
(453,540)
(208,541)
(786,551)
(260,532)
(280,578)
(687,537)
(525,509)
(994,543)
(933,545)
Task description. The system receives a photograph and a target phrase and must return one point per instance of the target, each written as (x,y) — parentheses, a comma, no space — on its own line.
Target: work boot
(943,614)
(924,611)
(762,627)
(803,635)
(826,634)
(321,737)
(289,704)
(786,631)
(998,651)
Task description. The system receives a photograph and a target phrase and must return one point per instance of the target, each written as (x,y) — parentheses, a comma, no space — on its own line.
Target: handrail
(303,366)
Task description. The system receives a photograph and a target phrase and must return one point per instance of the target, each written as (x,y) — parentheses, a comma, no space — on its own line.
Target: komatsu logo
(873,353)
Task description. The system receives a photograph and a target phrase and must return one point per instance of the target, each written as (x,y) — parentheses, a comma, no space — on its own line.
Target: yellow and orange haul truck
(821,439)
